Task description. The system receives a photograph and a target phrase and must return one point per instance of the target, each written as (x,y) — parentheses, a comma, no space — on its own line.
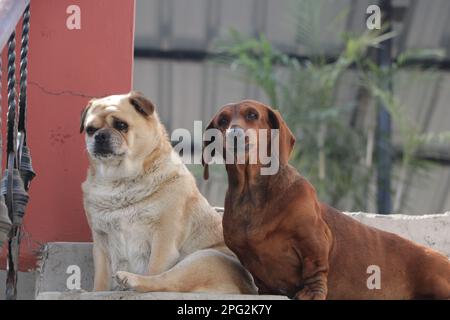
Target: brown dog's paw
(308,293)
(126,280)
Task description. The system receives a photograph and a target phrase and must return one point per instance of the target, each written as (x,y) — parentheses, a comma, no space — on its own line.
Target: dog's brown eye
(90,130)
(120,125)
(252,115)
(223,121)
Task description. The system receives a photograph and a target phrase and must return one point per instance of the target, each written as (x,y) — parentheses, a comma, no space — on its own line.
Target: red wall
(66,69)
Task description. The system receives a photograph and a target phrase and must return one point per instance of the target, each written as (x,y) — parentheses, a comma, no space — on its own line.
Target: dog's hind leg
(440,289)
(205,270)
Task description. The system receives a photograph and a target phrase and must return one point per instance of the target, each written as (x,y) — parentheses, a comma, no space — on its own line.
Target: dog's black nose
(101,137)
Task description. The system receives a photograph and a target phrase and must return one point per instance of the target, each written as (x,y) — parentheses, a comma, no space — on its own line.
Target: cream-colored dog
(151,227)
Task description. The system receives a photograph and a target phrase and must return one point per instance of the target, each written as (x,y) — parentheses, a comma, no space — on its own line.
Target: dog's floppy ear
(83,115)
(141,104)
(205,144)
(286,138)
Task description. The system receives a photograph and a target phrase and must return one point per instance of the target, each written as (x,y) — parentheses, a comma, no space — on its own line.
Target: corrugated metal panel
(356,20)
(428,191)
(429,23)
(237,14)
(147,23)
(440,120)
(187,94)
(194,24)
(189,24)
(188,91)
(416,95)
(280,24)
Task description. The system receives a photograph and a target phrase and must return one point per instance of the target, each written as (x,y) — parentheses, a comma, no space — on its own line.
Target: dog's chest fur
(123,216)
(268,254)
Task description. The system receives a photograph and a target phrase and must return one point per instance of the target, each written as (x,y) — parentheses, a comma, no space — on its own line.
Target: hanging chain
(1,140)
(11,93)
(24,72)
(23,153)
(11,280)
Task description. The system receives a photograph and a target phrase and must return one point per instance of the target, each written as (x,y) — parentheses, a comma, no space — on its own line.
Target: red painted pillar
(66,69)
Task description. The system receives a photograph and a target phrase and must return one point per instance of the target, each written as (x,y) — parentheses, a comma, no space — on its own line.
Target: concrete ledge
(129,295)
(56,258)
(430,230)
(25,285)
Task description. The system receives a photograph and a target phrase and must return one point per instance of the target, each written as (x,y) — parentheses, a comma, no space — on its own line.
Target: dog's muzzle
(235,139)
(235,132)
(103,145)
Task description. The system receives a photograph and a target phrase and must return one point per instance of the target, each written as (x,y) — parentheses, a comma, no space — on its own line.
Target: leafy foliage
(333,153)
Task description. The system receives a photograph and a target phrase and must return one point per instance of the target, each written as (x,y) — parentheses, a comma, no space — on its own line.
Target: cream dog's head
(121,130)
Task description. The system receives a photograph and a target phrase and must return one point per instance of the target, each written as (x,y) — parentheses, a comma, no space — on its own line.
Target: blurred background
(370,108)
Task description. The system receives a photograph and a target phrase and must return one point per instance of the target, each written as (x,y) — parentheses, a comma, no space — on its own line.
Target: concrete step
(129,295)
(61,259)
(26,282)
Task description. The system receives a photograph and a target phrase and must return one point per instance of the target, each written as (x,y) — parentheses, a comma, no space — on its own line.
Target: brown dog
(297,246)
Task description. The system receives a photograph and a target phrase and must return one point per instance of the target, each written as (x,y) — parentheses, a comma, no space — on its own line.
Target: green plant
(335,154)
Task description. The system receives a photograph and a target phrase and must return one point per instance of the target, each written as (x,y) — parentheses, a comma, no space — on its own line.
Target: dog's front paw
(126,280)
(310,293)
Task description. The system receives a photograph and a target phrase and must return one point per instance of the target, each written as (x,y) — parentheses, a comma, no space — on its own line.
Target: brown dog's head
(237,118)
(118,127)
